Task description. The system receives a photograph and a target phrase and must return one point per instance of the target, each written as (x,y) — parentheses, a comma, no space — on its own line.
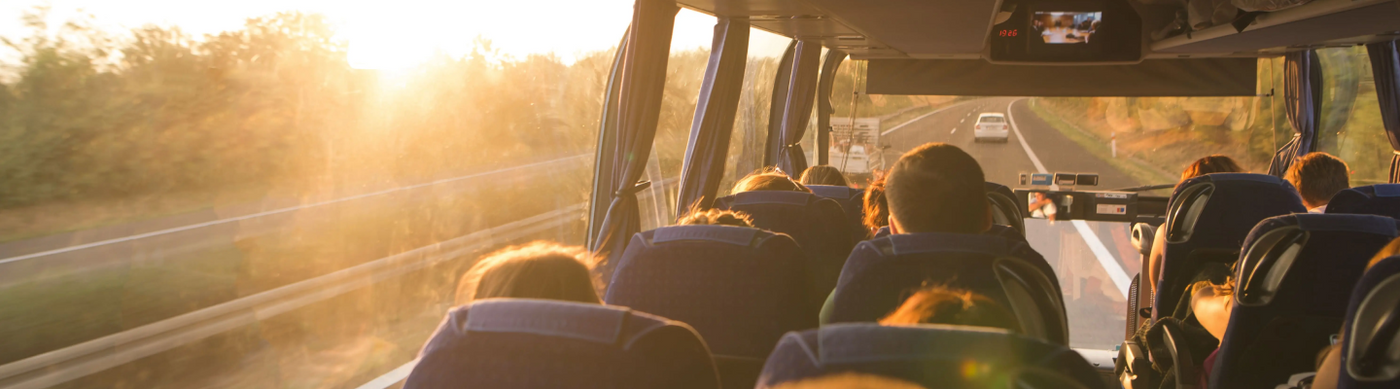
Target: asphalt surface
(1094,301)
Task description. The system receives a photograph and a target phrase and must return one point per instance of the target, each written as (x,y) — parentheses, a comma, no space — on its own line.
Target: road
(1089,257)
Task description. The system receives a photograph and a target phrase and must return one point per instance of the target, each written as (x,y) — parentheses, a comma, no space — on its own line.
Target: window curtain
(830,65)
(797,110)
(642,78)
(1385,66)
(773,147)
(1302,99)
(708,149)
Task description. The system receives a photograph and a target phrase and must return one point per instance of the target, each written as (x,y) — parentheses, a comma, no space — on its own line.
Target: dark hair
(823,175)
(1217,163)
(877,211)
(714,216)
(541,270)
(1318,176)
(937,187)
(768,179)
(940,304)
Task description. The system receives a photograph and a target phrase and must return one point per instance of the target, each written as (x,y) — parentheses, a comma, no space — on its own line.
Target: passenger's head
(945,305)
(540,270)
(937,188)
(1318,176)
(877,210)
(850,380)
(1211,164)
(768,179)
(719,217)
(823,175)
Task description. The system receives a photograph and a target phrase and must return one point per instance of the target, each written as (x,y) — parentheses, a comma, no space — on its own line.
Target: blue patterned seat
(1379,199)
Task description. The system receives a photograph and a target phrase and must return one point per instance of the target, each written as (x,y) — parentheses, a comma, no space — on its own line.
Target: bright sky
(404,32)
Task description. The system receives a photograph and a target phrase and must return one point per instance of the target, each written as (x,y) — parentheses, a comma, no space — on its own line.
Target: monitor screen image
(1065,28)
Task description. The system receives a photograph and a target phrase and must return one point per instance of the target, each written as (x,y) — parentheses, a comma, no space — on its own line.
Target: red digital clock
(1008,32)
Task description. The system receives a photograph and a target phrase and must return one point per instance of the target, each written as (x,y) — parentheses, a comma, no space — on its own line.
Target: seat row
(1297,277)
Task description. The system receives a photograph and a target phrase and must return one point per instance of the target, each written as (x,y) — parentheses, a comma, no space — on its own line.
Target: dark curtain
(607,137)
(642,79)
(1302,99)
(797,111)
(776,105)
(830,65)
(1385,65)
(708,149)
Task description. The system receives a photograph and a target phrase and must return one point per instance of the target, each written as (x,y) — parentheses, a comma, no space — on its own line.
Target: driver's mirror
(1042,205)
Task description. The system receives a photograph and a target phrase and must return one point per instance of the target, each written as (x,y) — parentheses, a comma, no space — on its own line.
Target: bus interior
(250,209)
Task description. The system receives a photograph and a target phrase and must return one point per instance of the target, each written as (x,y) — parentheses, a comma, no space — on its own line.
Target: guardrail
(62,365)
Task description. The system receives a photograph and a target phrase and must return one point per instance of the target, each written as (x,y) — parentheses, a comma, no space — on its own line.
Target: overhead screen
(1153,77)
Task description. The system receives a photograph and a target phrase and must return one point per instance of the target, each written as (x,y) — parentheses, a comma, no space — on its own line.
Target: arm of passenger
(1154,259)
(824,316)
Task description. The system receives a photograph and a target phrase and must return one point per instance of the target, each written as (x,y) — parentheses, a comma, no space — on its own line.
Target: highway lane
(1093,270)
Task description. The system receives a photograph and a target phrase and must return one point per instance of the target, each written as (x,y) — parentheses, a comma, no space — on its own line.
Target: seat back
(934,356)
(526,343)
(852,202)
(1292,283)
(1005,209)
(1370,350)
(740,288)
(1207,221)
(1378,199)
(881,273)
(817,224)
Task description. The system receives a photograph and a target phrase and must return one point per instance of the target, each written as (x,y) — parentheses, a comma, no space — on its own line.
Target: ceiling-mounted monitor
(1067,31)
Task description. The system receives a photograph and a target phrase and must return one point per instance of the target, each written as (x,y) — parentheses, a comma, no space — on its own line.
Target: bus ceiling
(1130,30)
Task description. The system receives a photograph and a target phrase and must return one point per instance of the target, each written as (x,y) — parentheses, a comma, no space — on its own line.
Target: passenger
(877,211)
(1043,207)
(946,305)
(1212,303)
(823,175)
(850,380)
(716,217)
(768,179)
(539,270)
(1329,367)
(1216,163)
(1318,176)
(937,187)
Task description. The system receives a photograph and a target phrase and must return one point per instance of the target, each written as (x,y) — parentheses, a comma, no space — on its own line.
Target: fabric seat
(1207,221)
(934,356)
(881,273)
(1293,280)
(526,343)
(740,288)
(1005,209)
(852,202)
(1379,199)
(1372,321)
(817,224)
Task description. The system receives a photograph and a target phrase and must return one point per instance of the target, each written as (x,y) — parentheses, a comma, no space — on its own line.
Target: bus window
(1351,126)
(751,120)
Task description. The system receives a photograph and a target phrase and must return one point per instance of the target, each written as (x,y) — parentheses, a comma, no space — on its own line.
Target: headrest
(739,236)
(772,197)
(1369,224)
(587,322)
(870,342)
(1373,323)
(1386,190)
(938,242)
(833,191)
(1225,177)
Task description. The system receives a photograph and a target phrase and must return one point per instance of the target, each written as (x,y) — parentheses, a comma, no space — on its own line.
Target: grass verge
(1138,170)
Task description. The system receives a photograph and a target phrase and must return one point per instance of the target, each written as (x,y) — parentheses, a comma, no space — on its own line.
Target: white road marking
(963,120)
(392,377)
(272,212)
(921,117)
(1110,265)
(955,129)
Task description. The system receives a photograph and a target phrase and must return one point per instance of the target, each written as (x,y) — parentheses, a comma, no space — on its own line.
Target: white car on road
(990,126)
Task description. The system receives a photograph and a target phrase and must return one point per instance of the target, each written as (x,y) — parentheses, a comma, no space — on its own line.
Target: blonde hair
(768,179)
(850,380)
(1390,249)
(940,304)
(877,210)
(823,175)
(712,216)
(541,270)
